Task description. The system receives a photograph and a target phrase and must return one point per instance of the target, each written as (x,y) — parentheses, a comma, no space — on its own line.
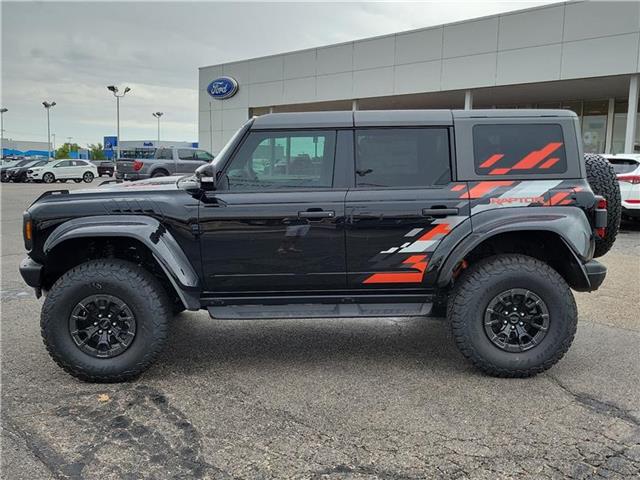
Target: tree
(65,149)
(96,152)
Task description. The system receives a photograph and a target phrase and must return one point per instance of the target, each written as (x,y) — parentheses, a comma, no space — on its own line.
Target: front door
(403,204)
(276,221)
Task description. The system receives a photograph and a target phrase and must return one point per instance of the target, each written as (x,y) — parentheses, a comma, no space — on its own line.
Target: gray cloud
(69,52)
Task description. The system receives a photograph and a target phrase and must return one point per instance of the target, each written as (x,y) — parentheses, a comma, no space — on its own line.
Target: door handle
(438,212)
(317,214)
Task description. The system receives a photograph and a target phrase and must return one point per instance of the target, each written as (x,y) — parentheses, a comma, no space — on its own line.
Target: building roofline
(551,4)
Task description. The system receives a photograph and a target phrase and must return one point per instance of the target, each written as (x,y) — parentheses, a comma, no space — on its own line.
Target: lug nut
(522,314)
(109,331)
(512,327)
(521,323)
(504,321)
(100,315)
(95,323)
(113,323)
(99,331)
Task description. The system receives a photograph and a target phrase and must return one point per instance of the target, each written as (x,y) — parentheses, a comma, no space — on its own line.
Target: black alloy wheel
(516,320)
(102,326)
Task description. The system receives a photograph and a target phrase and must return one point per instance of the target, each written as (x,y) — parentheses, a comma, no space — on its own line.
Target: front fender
(149,232)
(569,223)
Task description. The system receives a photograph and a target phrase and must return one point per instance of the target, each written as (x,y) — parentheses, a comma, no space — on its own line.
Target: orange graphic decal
(558,197)
(483,188)
(491,160)
(535,157)
(550,163)
(442,228)
(417,262)
(457,188)
(499,171)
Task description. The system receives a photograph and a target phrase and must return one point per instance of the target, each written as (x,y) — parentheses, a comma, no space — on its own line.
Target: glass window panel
(402,157)
(519,149)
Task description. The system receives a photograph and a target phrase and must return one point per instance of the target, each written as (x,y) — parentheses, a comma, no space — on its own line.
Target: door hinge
(195,229)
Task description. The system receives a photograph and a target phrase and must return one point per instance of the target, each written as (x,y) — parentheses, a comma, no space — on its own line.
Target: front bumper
(31,272)
(595,273)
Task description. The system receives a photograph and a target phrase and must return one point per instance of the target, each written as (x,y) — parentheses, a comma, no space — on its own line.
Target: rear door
(403,204)
(276,221)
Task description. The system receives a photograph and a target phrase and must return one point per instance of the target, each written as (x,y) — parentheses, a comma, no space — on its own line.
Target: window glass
(519,149)
(184,154)
(402,157)
(164,154)
(66,163)
(275,160)
(203,156)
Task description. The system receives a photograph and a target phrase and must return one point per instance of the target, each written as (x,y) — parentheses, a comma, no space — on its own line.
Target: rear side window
(402,157)
(623,165)
(185,154)
(519,149)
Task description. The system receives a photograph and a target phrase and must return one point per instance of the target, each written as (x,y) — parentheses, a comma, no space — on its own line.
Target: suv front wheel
(105,320)
(512,315)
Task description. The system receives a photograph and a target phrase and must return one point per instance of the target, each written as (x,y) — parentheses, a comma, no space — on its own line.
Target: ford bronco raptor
(487,217)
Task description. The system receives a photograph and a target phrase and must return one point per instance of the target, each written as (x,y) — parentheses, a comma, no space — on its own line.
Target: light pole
(48,106)
(113,89)
(158,115)
(2,112)
(54,141)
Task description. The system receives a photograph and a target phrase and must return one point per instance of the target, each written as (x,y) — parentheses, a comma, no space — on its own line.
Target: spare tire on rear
(603,181)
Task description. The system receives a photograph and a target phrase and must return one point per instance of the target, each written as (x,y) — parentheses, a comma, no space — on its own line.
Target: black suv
(486,217)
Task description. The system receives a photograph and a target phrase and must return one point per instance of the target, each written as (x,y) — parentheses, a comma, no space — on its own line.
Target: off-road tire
(482,282)
(142,293)
(603,181)
(48,177)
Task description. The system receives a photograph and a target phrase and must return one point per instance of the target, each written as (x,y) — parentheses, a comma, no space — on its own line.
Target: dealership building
(582,56)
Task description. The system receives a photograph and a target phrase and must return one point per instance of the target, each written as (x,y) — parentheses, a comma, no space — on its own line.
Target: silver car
(161,162)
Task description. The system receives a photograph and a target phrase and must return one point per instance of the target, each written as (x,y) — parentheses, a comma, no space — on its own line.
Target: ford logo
(223,87)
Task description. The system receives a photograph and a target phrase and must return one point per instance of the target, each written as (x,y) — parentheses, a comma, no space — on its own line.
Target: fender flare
(148,231)
(568,223)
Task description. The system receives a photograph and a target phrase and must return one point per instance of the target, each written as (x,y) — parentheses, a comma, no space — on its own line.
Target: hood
(151,184)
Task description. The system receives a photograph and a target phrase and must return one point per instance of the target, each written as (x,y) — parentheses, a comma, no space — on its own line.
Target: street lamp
(158,115)
(48,106)
(2,112)
(113,89)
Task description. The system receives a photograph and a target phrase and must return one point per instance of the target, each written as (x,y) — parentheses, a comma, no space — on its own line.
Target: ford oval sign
(223,87)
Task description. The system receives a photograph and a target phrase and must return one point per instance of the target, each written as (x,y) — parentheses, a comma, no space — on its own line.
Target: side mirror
(206,175)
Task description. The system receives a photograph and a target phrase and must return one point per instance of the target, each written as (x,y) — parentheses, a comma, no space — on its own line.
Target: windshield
(623,165)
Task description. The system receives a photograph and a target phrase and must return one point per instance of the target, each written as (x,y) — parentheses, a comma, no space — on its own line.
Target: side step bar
(320,310)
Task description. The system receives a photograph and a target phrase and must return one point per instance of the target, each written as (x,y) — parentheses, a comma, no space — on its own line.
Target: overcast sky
(69,52)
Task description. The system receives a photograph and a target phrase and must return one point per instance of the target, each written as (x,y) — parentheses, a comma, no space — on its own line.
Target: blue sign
(223,87)
(110,142)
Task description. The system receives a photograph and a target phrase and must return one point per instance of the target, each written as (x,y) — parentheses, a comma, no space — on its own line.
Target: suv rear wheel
(512,315)
(105,320)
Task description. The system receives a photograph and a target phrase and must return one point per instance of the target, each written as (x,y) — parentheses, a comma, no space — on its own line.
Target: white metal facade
(566,51)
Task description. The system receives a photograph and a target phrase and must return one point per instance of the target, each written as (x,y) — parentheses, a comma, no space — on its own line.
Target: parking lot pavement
(381,398)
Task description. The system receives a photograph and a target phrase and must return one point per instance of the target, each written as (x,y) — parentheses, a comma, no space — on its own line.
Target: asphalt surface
(357,399)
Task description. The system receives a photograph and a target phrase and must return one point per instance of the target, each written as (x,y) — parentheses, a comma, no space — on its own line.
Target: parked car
(483,215)
(6,166)
(627,167)
(19,174)
(105,167)
(161,162)
(63,170)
